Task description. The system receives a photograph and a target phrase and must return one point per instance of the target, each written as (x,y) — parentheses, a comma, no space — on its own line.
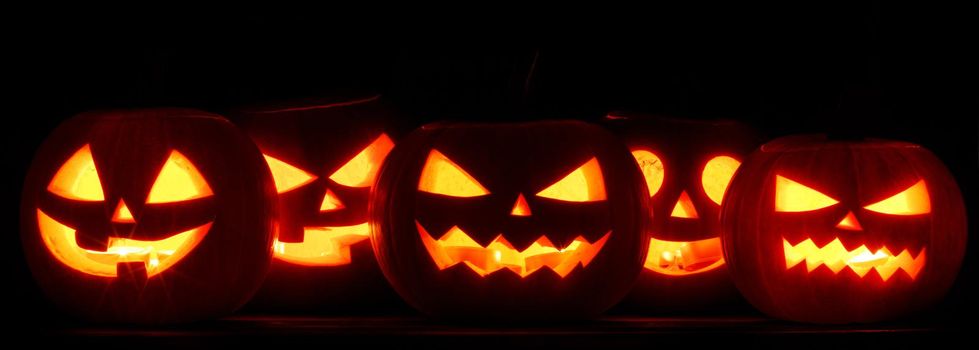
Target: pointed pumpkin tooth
(860,270)
(886,271)
(917,265)
(793,255)
(591,250)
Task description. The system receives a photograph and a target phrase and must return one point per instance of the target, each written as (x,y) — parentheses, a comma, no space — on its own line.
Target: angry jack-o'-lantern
(531,220)
(828,231)
(324,157)
(687,165)
(148,216)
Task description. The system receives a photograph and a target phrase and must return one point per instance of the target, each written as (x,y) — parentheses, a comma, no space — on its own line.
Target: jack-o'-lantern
(510,221)
(687,165)
(147,216)
(324,157)
(840,231)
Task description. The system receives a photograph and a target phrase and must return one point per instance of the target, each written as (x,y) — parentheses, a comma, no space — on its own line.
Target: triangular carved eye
(584,184)
(791,196)
(912,201)
(77,178)
(361,170)
(286,176)
(178,181)
(443,176)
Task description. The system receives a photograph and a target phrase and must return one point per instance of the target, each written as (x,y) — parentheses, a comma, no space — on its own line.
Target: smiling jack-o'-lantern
(139,216)
(687,165)
(532,220)
(831,231)
(324,157)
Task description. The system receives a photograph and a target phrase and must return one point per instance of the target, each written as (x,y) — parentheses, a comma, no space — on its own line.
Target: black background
(853,69)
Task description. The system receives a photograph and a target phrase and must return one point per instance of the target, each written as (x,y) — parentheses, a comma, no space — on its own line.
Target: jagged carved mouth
(860,260)
(457,247)
(322,246)
(157,255)
(684,258)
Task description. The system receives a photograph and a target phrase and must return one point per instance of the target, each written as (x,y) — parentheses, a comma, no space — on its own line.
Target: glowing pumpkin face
(325,245)
(510,220)
(687,165)
(843,231)
(324,158)
(135,213)
(78,181)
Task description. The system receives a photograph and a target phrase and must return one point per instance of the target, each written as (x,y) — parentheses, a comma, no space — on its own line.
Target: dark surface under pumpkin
(491,174)
(116,185)
(328,153)
(414,331)
(832,231)
(677,176)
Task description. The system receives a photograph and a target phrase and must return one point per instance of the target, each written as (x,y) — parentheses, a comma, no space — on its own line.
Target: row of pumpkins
(173,215)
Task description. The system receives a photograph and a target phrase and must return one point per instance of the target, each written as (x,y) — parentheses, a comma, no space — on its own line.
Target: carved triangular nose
(122,214)
(330,202)
(684,207)
(520,208)
(849,223)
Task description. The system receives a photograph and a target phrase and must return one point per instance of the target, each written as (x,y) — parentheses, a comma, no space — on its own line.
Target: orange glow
(684,258)
(652,169)
(792,196)
(717,175)
(286,176)
(850,223)
(122,214)
(912,201)
(156,255)
(520,208)
(861,260)
(684,207)
(178,181)
(322,246)
(77,178)
(584,184)
(457,247)
(361,170)
(442,176)
(330,202)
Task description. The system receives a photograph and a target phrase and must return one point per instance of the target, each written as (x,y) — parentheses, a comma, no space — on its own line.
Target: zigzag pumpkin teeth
(860,260)
(457,247)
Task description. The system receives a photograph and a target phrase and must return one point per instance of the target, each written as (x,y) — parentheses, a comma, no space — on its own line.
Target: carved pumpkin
(324,158)
(687,165)
(531,220)
(828,231)
(148,216)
